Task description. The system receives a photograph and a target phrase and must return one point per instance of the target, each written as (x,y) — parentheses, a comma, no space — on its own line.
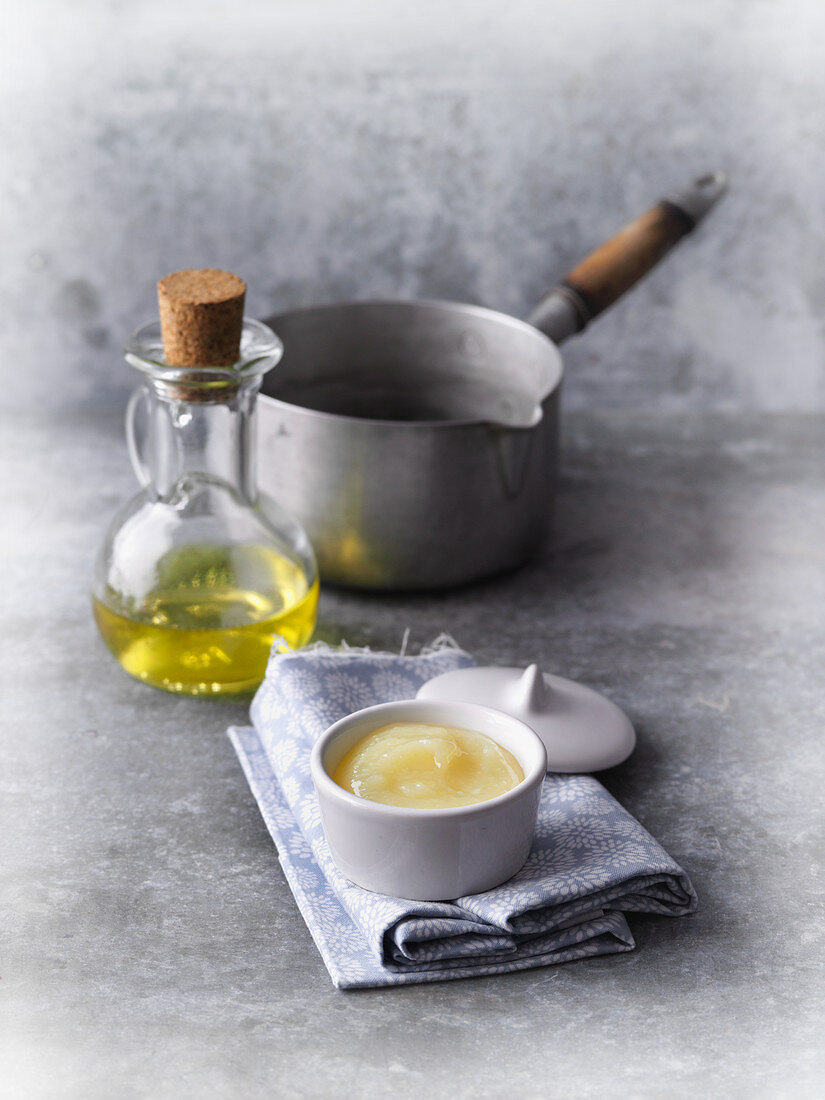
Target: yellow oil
(207,626)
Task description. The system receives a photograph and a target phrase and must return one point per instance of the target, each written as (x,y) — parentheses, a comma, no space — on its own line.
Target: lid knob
(531,692)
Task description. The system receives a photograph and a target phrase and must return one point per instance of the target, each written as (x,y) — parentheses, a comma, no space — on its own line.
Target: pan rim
(445,305)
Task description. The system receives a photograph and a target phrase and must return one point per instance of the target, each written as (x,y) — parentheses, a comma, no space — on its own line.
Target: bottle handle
(139,397)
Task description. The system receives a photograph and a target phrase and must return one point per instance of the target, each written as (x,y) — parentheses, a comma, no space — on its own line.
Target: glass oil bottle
(198,574)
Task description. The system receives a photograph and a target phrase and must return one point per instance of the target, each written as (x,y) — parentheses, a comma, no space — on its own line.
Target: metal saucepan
(416,441)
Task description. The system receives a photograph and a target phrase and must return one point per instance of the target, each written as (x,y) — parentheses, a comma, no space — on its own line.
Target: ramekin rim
(533,778)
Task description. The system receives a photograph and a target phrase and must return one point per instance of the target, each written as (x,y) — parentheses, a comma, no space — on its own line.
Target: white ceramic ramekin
(429,854)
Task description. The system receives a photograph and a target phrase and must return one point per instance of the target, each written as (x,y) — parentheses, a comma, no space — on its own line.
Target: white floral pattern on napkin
(590,862)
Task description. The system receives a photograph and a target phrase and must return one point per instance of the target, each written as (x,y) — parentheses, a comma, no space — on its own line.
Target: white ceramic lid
(581,730)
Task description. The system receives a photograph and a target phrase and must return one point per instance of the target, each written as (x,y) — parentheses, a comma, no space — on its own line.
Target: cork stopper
(201,316)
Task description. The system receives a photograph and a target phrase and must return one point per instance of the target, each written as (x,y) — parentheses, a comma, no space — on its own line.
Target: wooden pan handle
(619,264)
(604,276)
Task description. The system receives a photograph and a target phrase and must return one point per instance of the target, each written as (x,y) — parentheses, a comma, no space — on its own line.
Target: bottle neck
(201,440)
(200,418)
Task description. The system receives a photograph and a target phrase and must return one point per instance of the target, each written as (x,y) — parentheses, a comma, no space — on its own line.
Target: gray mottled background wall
(467,150)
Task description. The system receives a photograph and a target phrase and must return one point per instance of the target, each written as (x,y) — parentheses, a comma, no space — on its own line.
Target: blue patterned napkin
(590,863)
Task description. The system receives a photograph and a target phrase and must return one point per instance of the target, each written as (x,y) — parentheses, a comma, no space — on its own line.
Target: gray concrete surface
(150,947)
(473,151)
